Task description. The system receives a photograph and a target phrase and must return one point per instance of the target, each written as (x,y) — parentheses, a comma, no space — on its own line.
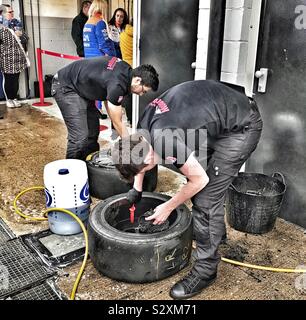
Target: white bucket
(66,186)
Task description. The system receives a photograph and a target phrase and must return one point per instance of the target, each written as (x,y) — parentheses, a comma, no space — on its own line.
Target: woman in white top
(116,25)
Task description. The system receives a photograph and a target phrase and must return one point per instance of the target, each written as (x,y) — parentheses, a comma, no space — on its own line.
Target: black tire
(104,179)
(135,257)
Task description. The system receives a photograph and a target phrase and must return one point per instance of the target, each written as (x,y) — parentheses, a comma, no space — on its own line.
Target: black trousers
(227,154)
(82,120)
(11,85)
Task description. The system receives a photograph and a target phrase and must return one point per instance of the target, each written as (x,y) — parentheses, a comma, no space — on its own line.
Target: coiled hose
(45,213)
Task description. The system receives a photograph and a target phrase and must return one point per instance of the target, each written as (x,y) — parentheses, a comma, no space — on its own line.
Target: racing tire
(104,179)
(119,252)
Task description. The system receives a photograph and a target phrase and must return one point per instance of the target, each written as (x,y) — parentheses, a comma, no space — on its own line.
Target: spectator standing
(95,37)
(77,27)
(95,33)
(14,24)
(2,97)
(126,44)
(12,53)
(116,25)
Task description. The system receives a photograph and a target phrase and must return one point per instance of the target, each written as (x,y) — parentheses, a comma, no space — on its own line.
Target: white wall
(202,44)
(235,46)
(53,8)
(238,56)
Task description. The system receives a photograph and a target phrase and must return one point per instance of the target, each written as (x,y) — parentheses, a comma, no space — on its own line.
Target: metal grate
(5,233)
(19,268)
(55,250)
(44,291)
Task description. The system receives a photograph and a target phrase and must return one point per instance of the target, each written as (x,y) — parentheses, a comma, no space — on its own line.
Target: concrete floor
(32,137)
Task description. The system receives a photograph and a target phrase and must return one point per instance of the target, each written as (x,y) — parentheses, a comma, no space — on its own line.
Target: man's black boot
(190,286)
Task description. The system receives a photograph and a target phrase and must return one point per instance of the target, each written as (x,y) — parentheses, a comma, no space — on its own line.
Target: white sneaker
(16,103)
(10,104)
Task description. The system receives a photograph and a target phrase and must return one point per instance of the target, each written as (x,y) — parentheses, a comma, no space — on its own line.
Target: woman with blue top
(95,33)
(95,36)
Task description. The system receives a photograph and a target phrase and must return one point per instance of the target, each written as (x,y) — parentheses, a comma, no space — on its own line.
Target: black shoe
(103,116)
(190,286)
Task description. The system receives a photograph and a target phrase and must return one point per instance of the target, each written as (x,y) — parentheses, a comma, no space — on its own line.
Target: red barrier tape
(60,55)
(42,102)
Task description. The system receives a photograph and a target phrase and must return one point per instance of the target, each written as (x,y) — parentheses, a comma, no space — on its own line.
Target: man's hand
(115,114)
(134,196)
(161,213)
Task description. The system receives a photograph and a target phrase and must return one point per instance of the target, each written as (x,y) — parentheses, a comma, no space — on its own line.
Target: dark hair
(125,18)
(128,155)
(148,75)
(84,3)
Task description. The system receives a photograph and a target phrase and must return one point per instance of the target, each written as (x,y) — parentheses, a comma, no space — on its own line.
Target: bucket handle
(281,179)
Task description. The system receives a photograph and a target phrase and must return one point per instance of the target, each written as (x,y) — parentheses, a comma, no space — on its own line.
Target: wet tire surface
(119,252)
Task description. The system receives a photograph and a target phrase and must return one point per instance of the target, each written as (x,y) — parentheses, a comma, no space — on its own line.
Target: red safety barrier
(42,102)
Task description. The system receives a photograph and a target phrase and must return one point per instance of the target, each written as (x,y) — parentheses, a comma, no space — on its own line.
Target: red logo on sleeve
(160,105)
(111,63)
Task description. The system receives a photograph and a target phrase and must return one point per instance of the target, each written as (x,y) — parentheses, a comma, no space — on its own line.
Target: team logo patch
(120,99)
(111,63)
(160,106)
(171,159)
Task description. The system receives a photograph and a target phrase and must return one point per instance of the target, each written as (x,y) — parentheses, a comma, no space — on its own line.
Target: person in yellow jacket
(126,44)
(126,47)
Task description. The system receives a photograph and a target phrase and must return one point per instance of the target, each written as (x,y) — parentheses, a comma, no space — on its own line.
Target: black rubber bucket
(254,201)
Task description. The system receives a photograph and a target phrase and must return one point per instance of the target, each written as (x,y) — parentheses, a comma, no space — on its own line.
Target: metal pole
(42,102)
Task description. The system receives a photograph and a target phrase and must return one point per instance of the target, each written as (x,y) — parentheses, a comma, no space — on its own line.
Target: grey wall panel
(283,145)
(168,41)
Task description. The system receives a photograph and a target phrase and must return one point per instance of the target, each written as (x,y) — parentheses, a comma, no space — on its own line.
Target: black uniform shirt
(186,108)
(101,78)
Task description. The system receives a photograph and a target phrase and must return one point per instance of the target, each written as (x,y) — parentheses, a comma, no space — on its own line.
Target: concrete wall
(55,36)
(55,27)
(54,8)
